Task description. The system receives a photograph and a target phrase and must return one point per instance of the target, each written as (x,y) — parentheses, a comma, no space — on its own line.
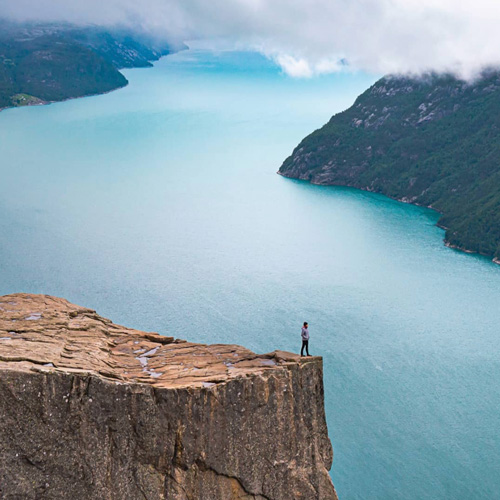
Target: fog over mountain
(307,37)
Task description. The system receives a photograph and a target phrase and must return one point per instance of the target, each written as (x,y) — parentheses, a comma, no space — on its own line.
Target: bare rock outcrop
(93,410)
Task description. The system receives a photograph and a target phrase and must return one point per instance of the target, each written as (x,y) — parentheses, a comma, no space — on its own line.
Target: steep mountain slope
(40,63)
(432,141)
(50,68)
(120,48)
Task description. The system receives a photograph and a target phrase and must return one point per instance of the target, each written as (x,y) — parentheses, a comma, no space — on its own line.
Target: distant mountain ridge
(432,141)
(52,62)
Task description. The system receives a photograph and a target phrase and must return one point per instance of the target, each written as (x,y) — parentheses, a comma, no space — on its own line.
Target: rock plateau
(93,410)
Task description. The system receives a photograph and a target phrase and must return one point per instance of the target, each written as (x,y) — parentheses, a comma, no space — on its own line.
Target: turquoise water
(159,206)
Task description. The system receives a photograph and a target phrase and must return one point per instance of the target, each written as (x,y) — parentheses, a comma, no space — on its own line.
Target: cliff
(432,141)
(90,409)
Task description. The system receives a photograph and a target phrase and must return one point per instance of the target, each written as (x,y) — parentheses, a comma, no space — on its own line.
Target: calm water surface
(159,206)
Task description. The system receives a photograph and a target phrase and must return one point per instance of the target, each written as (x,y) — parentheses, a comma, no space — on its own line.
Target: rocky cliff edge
(90,409)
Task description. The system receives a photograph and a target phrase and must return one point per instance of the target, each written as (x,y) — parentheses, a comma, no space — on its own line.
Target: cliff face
(90,409)
(432,141)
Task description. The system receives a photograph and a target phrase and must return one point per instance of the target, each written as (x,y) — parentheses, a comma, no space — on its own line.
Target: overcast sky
(308,37)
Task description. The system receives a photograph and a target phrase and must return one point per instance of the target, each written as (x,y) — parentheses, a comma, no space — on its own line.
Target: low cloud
(308,37)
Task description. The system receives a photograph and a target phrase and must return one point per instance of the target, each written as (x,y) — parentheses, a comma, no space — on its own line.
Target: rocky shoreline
(404,199)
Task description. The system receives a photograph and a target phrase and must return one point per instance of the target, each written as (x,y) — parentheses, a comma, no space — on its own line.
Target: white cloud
(308,37)
(294,67)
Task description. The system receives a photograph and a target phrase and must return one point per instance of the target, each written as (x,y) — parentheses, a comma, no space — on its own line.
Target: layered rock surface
(90,409)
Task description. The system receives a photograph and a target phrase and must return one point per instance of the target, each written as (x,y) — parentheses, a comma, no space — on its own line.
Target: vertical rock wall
(70,434)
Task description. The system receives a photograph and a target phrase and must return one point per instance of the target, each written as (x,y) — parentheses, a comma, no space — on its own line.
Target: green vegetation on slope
(433,141)
(51,69)
(40,63)
(119,48)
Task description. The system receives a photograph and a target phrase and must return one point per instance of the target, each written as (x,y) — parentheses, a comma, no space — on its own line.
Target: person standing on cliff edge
(305,339)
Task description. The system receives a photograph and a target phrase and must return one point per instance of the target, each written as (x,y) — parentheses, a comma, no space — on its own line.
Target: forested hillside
(43,63)
(433,141)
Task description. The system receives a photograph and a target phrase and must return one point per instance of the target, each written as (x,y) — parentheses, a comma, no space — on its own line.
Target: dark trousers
(305,343)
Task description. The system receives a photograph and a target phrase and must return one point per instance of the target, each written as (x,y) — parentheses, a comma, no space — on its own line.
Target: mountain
(432,141)
(48,62)
(94,410)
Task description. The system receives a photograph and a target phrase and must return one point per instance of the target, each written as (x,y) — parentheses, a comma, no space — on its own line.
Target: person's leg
(302,350)
(307,347)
